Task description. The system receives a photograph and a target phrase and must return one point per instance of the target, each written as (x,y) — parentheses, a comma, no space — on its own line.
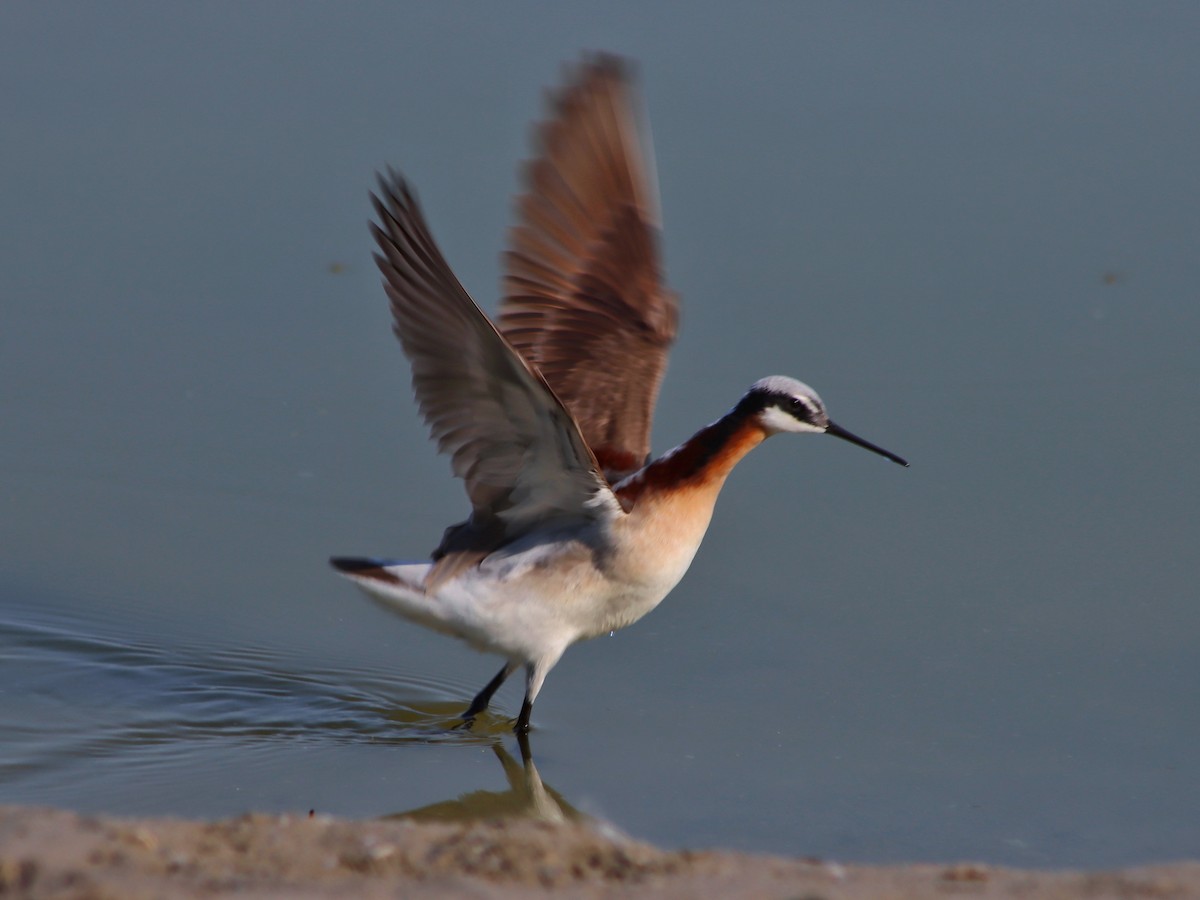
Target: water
(973,230)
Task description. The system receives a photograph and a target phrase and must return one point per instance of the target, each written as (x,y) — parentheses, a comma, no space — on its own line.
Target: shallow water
(973,231)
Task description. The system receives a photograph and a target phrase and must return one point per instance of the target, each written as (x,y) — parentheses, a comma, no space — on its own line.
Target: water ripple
(73,692)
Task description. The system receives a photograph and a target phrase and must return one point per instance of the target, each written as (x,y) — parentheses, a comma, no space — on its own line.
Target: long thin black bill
(839,431)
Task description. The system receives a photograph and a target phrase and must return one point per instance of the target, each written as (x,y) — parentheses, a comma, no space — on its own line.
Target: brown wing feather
(584,300)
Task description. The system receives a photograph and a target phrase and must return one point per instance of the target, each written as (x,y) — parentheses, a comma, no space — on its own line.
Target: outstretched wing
(509,437)
(584,299)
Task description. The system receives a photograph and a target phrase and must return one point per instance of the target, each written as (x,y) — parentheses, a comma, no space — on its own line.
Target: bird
(575,530)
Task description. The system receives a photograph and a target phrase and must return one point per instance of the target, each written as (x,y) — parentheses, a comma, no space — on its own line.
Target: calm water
(974,230)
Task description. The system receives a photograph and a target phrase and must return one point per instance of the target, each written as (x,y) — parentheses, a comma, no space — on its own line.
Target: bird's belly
(624,607)
(525,604)
(552,594)
(555,606)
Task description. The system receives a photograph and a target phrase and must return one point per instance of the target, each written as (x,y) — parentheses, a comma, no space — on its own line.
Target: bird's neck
(702,461)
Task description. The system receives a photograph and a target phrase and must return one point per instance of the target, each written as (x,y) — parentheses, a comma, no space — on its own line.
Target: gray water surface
(973,229)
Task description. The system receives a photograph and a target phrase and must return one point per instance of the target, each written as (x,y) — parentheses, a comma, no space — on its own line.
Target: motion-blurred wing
(584,300)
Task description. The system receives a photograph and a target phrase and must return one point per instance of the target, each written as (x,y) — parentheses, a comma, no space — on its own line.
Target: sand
(52,853)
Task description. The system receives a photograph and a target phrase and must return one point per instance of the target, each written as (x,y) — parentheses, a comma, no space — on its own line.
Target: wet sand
(50,853)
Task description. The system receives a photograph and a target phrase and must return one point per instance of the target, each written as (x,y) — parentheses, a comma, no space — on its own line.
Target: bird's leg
(522,726)
(484,697)
(532,683)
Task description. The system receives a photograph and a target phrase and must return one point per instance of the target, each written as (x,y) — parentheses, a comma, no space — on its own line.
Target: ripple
(77,690)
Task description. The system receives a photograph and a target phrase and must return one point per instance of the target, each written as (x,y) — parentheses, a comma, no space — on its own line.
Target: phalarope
(573,531)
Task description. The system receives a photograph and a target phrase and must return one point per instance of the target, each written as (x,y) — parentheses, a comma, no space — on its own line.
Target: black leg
(532,683)
(484,697)
(522,726)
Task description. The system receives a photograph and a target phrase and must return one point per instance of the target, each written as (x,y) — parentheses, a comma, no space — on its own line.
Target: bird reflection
(527,796)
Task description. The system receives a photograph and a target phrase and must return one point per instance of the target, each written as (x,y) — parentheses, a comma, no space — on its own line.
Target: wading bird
(573,531)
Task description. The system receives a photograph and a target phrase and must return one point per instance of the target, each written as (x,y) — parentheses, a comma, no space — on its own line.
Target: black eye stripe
(799,409)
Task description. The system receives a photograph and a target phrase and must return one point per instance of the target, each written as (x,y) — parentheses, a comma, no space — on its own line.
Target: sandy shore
(49,853)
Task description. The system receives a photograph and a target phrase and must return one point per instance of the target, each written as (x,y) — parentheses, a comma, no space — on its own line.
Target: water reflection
(527,796)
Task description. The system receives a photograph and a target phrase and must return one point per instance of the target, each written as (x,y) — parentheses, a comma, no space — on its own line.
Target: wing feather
(511,440)
(584,299)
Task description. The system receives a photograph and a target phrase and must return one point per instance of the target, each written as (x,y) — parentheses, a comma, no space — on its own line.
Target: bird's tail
(397,586)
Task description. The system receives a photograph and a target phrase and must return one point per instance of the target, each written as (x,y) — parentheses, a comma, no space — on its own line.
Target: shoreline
(55,853)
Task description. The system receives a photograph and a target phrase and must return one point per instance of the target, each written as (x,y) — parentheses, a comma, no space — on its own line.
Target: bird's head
(783,404)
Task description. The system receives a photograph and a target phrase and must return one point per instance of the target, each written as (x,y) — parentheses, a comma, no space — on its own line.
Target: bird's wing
(509,437)
(584,299)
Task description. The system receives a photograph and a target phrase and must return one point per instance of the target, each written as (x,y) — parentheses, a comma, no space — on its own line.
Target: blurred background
(972,228)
